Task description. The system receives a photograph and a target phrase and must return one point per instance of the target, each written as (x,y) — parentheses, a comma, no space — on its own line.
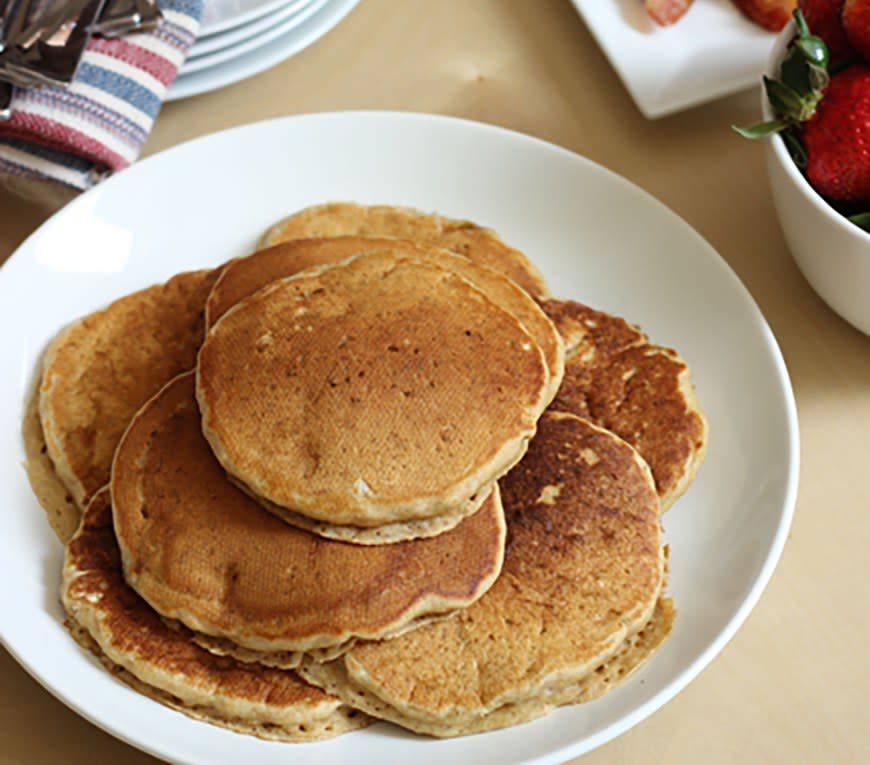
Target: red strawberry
(823,19)
(665,12)
(856,23)
(836,138)
(770,14)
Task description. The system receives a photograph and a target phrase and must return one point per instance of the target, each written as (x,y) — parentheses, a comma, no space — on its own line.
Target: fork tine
(45,25)
(13,20)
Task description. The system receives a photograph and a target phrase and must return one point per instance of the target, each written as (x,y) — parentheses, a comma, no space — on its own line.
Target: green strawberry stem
(803,79)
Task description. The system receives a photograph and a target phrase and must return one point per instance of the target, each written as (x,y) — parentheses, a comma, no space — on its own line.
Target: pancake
(244,276)
(132,640)
(643,392)
(582,574)
(379,390)
(289,659)
(61,511)
(201,551)
(102,368)
(481,245)
(388,533)
(634,651)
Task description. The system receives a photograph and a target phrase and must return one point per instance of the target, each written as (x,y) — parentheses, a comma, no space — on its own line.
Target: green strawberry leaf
(761,130)
(785,100)
(795,148)
(796,95)
(795,72)
(862,220)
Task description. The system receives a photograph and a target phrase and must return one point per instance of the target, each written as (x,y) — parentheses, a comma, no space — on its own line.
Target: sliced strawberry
(856,24)
(823,19)
(770,14)
(837,138)
(666,12)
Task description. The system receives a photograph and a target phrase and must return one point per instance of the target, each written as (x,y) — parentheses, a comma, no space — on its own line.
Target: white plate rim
(408,121)
(262,57)
(251,44)
(245,17)
(213,43)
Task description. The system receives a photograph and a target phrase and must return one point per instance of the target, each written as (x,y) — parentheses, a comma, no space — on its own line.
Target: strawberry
(770,14)
(666,12)
(824,121)
(823,19)
(856,24)
(836,139)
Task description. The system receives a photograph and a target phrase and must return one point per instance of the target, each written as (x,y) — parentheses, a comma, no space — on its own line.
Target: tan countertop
(791,687)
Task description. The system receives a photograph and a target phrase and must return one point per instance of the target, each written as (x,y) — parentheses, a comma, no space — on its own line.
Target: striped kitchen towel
(77,135)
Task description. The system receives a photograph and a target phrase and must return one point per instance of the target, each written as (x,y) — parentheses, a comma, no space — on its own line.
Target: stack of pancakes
(372,470)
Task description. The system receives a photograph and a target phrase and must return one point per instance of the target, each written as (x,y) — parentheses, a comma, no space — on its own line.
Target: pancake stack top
(383,390)
(394,467)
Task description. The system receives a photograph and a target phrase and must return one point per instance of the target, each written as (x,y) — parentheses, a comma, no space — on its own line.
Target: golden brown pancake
(133,641)
(583,571)
(199,550)
(388,533)
(61,511)
(634,651)
(618,379)
(379,390)
(102,368)
(290,659)
(482,245)
(244,276)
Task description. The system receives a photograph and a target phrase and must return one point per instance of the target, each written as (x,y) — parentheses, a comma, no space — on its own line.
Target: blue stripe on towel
(143,98)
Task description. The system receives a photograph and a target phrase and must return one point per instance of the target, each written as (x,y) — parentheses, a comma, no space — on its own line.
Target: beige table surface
(792,686)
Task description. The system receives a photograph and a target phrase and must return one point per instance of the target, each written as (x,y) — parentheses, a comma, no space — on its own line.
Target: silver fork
(122,16)
(44,28)
(13,19)
(50,49)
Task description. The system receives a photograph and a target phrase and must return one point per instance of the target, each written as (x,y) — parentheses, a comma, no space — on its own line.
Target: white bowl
(832,253)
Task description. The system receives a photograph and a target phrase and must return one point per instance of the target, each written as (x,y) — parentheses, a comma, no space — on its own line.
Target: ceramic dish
(711,52)
(595,236)
(264,55)
(252,44)
(832,253)
(218,16)
(236,35)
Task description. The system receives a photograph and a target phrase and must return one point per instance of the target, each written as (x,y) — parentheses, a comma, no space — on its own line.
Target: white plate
(263,56)
(596,237)
(220,15)
(711,52)
(236,35)
(252,44)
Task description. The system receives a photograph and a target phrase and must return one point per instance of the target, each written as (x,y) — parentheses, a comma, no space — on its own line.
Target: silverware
(14,15)
(5,101)
(14,18)
(120,17)
(4,13)
(45,27)
(59,52)
(48,51)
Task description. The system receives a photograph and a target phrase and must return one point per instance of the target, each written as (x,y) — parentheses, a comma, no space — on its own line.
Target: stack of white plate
(239,38)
